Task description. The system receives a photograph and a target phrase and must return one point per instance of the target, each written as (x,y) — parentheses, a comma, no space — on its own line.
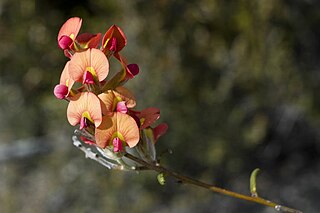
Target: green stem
(185,179)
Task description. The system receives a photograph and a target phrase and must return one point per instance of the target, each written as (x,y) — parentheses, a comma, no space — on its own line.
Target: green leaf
(161,179)
(253,182)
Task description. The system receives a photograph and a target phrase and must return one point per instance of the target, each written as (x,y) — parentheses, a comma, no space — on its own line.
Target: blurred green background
(237,82)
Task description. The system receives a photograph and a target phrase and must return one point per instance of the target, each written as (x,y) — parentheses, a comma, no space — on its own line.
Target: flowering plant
(110,130)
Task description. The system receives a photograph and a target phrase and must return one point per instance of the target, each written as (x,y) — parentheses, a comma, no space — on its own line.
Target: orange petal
(100,63)
(128,127)
(118,125)
(103,133)
(65,77)
(107,99)
(70,28)
(84,102)
(77,66)
(93,60)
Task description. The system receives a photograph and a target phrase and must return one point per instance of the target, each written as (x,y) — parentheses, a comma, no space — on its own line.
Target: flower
(131,70)
(89,66)
(63,89)
(113,41)
(117,100)
(146,117)
(85,41)
(84,108)
(119,125)
(68,32)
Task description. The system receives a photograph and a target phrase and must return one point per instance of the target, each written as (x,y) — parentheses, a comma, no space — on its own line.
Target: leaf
(253,182)
(161,179)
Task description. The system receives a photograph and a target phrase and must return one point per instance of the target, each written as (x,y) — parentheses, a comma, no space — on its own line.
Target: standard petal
(127,126)
(77,66)
(103,133)
(100,63)
(94,108)
(65,78)
(92,60)
(107,99)
(70,28)
(75,109)
(82,103)
(118,125)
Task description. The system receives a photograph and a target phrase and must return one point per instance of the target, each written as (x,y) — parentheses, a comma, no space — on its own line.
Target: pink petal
(87,141)
(117,145)
(121,107)
(134,69)
(88,78)
(83,123)
(60,91)
(65,42)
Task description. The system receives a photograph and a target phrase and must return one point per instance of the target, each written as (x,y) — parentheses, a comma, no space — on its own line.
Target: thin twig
(213,188)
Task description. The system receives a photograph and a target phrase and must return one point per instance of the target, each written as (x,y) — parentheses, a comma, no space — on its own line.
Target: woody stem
(188,180)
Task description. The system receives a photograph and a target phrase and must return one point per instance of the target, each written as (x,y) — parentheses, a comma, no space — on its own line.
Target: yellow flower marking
(116,100)
(105,43)
(117,135)
(92,71)
(86,115)
(72,36)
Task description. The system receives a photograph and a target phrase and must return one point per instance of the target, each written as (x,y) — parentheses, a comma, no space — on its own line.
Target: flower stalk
(184,179)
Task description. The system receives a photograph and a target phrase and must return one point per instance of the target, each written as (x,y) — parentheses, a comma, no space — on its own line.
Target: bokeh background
(237,81)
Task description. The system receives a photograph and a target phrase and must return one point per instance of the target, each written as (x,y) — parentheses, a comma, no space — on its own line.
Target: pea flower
(118,100)
(63,89)
(113,41)
(68,32)
(117,131)
(85,41)
(84,108)
(146,117)
(88,67)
